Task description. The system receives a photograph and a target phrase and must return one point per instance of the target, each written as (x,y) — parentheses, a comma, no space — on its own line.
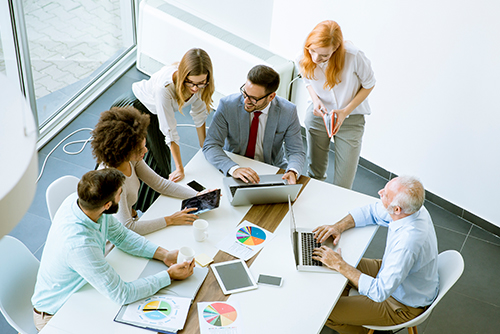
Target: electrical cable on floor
(84,141)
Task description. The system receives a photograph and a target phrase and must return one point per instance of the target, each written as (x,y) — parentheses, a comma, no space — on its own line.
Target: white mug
(185,254)
(200,230)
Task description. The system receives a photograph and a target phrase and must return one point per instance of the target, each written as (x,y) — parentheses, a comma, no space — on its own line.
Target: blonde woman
(339,78)
(188,83)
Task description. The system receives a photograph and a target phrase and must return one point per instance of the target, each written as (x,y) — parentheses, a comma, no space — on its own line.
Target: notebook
(165,311)
(303,243)
(271,189)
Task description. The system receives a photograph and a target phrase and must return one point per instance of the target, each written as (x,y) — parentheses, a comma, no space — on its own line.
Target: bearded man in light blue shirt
(405,282)
(74,252)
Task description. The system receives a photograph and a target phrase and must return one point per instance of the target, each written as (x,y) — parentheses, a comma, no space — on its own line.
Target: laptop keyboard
(308,244)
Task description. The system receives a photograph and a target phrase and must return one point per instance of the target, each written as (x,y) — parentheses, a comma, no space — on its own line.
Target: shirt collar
(84,219)
(397,224)
(266,109)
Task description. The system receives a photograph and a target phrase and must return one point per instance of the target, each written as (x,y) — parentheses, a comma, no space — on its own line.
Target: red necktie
(252,139)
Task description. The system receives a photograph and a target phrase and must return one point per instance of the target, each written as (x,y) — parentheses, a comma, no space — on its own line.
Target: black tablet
(205,202)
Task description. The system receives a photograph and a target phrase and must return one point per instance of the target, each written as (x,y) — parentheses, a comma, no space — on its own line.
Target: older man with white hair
(405,282)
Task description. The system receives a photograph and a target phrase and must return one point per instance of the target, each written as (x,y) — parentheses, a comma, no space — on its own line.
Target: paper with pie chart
(219,318)
(158,311)
(245,240)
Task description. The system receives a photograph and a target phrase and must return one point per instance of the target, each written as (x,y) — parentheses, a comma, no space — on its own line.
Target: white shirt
(259,152)
(158,95)
(259,143)
(357,73)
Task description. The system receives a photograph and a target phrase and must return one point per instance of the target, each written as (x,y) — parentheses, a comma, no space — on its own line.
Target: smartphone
(270,280)
(203,203)
(196,186)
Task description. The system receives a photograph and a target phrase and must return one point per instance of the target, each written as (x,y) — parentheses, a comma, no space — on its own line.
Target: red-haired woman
(339,78)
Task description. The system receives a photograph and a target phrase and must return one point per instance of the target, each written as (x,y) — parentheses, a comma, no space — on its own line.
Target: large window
(63,49)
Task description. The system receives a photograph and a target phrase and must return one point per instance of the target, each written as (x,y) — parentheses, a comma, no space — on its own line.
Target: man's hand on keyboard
(330,258)
(321,233)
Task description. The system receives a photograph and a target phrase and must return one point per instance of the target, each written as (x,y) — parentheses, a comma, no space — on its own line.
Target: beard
(112,209)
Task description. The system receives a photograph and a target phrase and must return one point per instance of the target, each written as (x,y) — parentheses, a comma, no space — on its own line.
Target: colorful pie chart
(219,314)
(157,310)
(251,235)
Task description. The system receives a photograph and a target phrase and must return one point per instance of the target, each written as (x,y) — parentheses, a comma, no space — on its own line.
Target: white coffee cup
(185,254)
(200,230)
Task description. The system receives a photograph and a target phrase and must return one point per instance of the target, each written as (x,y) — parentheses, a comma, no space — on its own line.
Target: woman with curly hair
(187,83)
(339,78)
(119,141)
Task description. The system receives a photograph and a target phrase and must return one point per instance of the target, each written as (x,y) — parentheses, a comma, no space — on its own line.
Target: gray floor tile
(327,330)
(445,219)
(448,239)
(480,278)
(481,234)
(187,153)
(5,328)
(367,182)
(377,246)
(457,313)
(32,230)
(134,75)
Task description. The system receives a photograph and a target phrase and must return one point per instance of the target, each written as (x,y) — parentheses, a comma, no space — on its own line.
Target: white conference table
(301,305)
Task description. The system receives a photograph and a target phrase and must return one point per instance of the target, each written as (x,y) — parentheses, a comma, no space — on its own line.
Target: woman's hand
(341,116)
(176,175)
(183,217)
(319,108)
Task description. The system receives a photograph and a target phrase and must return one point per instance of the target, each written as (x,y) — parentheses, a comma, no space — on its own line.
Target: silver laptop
(303,243)
(270,189)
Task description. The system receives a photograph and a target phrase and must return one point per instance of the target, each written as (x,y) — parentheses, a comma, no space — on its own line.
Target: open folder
(330,119)
(166,311)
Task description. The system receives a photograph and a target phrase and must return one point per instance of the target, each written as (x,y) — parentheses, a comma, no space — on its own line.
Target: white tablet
(233,276)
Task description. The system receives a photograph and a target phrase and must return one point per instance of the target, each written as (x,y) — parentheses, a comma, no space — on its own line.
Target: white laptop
(303,243)
(271,189)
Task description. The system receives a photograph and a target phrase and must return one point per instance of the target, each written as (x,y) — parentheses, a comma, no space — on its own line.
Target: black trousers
(158,156)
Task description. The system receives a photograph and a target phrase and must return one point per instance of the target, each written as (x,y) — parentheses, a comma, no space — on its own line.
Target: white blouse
(357,73)
(158,95)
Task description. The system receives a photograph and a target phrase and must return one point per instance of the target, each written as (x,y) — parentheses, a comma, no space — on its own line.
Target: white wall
(437,64)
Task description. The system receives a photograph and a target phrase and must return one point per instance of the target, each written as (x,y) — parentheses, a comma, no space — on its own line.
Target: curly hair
(118,134)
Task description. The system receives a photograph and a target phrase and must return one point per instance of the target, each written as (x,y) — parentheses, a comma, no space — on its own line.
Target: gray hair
(411,197)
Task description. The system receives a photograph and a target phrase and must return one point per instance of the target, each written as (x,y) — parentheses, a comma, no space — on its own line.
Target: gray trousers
(347,148)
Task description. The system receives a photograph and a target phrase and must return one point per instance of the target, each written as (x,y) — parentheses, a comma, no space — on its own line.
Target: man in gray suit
(278,123)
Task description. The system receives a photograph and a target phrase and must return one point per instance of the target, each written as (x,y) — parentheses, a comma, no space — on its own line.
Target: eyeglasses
(192,84)
(253,100)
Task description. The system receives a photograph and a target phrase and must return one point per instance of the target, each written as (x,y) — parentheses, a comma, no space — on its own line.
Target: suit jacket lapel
(244,125)
(271,126)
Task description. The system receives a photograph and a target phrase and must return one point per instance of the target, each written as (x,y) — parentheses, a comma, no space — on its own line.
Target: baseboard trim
(437,200)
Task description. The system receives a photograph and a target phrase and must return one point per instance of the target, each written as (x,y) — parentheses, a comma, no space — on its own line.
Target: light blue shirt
(409,271)
(74,255)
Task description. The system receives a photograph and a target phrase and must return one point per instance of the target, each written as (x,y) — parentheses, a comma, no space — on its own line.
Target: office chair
(17,282)
(450,268)
(58,191)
